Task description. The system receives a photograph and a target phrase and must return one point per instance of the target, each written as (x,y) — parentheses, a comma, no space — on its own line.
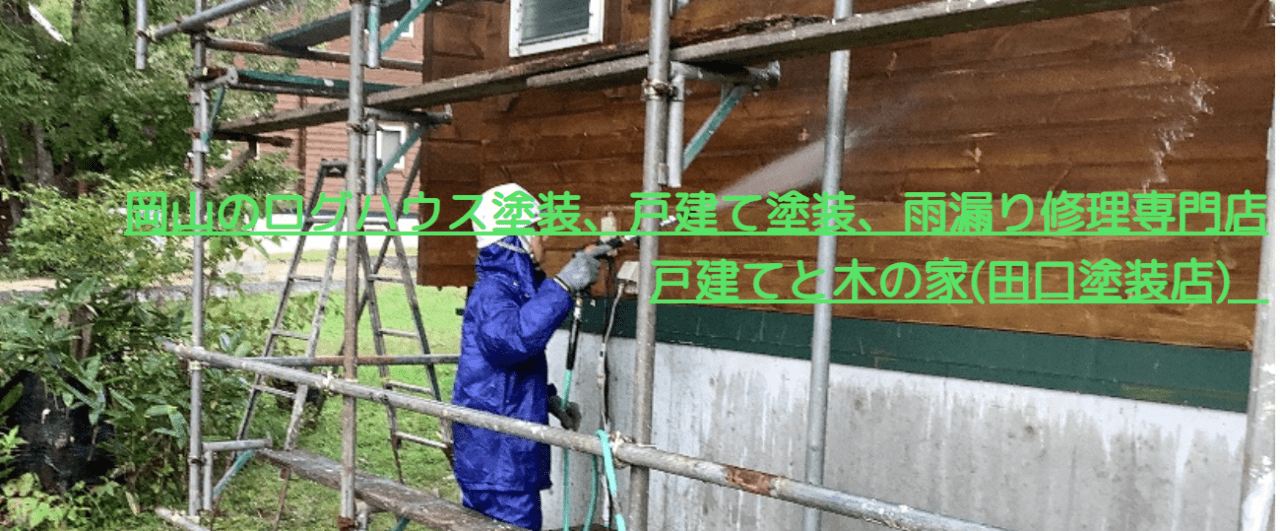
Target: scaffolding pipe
(140,41)
(201,17)
(199,149)
(373,36)
(178,520)
(372,154)
(820,346)
(656,90)
(675,131)
(194,454)
(355,140)
(292,91)
(237,445)
(333,361)
(206,501)
(1257,503)
(418,7)
(242,46)
(729,98)
(643,455)
(240,462)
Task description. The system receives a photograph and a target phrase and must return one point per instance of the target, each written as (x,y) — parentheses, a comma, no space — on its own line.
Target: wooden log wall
(1170,98)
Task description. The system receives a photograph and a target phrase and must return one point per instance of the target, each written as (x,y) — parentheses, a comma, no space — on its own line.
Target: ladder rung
(320,220)
(294,335)
(399,333)
(308,278)
(409,387)
(273,391)
(420,440)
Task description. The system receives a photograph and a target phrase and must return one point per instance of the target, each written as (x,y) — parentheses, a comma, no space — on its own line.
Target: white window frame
(593,35)
(408,32)
(404,135)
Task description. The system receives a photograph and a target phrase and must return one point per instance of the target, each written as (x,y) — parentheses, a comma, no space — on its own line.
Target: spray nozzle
(605,246)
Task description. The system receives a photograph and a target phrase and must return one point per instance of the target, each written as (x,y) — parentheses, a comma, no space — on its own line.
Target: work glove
(580,272)
(570,416)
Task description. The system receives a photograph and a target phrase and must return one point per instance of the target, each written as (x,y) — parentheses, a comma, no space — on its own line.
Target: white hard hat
(491,205)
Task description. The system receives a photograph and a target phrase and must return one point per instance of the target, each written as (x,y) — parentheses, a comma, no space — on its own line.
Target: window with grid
(539,26)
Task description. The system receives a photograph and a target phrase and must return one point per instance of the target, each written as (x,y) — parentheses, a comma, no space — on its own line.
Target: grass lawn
(251,500)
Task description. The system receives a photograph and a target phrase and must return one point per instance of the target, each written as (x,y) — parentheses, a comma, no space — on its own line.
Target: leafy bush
(24,505)
(92,339)
(83,238)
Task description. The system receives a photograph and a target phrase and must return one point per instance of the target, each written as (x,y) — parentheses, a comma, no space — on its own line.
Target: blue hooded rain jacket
(510,316)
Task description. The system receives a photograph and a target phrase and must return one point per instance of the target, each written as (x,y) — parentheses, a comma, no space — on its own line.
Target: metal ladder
(327,168)
(369,299)
(372,268)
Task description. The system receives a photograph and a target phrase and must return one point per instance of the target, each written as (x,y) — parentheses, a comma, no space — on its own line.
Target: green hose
(564,453)
(608,472)
(564,460)
(595,492)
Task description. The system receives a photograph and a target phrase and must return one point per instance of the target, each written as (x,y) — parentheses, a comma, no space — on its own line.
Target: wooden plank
(291,119)
(386,494)
(914,22)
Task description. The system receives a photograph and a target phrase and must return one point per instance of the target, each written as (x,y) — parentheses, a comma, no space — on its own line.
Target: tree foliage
(72,112)
(79,130)
(79,105)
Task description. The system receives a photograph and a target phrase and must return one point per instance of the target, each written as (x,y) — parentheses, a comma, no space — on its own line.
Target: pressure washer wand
(571,358)
(603,247)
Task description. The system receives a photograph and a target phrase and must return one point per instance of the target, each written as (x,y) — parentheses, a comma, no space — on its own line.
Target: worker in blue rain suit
(510,316)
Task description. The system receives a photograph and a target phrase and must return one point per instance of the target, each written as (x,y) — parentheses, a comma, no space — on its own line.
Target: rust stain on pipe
(750,480)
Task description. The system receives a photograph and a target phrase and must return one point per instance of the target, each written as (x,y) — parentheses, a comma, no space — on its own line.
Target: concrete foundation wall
(1017,457)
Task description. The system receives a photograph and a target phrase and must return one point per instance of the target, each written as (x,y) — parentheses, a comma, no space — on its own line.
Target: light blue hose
(564,453)
(595,492)
(608,472)
(595,471)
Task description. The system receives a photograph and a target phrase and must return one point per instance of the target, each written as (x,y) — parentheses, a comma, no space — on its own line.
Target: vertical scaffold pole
(820,362)
(140,39)
(355,142)
(656,90)
(200,104)
(675,132)
(1257,501)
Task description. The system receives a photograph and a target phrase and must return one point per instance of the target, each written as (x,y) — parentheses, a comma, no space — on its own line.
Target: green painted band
(1191,376)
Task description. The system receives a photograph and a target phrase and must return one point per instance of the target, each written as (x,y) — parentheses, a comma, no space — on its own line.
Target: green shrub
(92,339)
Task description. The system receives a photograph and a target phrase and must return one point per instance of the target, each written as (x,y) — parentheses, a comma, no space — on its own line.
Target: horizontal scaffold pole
(933,19)
(334,361)
(197,21)
(237,445)
(179,520)
(242,46)
(337,87)
(764,484)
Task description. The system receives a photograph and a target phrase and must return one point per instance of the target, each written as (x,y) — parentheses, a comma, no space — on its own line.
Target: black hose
(575,327)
